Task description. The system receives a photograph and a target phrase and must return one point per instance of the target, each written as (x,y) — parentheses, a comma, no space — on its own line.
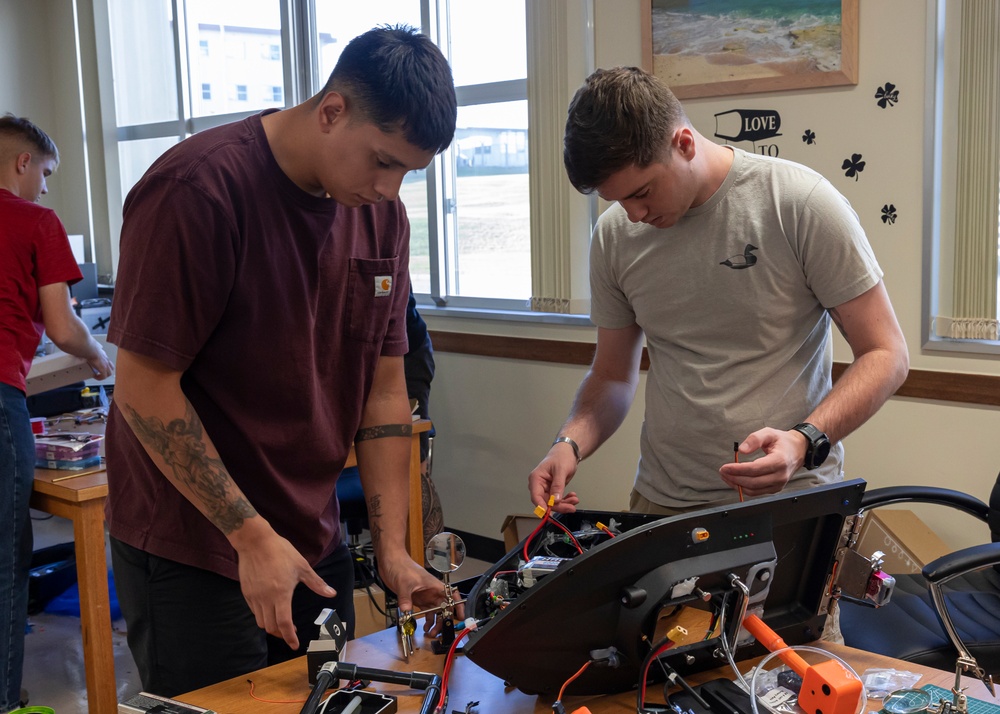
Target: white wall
(40,81)
(496,417)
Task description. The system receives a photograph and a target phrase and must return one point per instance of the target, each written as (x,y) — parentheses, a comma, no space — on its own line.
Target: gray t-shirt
(733,302)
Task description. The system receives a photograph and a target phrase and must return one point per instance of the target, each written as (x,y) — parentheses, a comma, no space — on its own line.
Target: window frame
(938,201)
(300,80)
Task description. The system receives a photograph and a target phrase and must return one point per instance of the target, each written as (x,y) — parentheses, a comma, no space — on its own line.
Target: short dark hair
(620,117)
(397,78)
(13,127)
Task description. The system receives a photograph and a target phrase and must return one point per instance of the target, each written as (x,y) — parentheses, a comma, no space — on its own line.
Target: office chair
(950,609)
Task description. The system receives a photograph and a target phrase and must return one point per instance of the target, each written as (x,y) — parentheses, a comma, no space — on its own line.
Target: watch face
(821,450)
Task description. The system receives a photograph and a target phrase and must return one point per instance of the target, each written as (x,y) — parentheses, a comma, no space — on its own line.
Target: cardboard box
(516,527)
(367,619)
(907,542)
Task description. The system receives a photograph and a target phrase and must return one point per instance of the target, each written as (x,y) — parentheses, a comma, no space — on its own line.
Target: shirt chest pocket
(371,283)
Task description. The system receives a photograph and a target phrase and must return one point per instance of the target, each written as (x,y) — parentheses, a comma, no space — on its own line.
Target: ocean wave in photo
(800,33)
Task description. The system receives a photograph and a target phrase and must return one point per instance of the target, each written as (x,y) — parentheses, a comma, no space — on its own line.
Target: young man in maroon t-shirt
(260,317)
(36,270)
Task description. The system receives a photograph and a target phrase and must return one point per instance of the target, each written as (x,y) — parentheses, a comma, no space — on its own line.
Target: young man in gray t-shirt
(731,266)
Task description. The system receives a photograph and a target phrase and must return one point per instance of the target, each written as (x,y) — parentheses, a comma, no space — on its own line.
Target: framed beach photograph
(710,48)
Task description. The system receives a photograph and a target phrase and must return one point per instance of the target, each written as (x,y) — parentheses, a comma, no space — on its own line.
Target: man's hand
(270,569)
(100,365)
(550,477)
(415,588)
(784,454)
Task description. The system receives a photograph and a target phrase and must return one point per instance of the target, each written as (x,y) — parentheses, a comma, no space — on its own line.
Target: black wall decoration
(887,95)
(853,166)
(809,137)
(749,125)
(888,214)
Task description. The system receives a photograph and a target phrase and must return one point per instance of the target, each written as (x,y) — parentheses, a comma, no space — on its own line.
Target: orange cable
(273,701)
(580,671)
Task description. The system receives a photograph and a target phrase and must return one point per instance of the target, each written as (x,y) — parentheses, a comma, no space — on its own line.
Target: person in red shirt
(36,269)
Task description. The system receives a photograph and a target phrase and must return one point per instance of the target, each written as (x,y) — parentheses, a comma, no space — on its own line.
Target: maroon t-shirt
(276,304)
(34,252)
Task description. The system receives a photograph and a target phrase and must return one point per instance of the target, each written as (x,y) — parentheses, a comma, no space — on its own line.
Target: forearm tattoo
(181,445)
(375,519)
(381,431)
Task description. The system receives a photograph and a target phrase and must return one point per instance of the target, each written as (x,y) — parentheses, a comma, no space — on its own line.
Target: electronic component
(861,578)
(371,702)
(538,567)
(144,702)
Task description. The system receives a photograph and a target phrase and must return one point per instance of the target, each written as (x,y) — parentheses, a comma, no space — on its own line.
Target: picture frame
(735,51)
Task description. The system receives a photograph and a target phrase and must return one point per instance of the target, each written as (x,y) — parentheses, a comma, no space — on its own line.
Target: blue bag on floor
(69,602)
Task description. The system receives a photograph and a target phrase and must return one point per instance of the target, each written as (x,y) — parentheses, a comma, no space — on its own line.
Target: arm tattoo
(840,325)
(181,445)
(374,519)
(381,431)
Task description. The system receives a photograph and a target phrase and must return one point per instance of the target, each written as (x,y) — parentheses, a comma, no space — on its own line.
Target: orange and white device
(827,687)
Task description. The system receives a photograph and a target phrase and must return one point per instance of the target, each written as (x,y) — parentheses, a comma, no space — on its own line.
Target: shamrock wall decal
(809,137)
(853,166)
(887,95)
(888,214)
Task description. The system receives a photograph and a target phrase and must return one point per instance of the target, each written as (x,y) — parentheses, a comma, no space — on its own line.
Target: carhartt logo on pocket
(383,285)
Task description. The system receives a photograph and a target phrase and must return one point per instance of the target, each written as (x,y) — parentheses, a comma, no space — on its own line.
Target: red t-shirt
(34,252)
(271,302)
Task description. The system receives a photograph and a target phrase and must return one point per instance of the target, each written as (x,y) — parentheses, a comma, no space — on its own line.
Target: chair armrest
(961,561)
(925,494)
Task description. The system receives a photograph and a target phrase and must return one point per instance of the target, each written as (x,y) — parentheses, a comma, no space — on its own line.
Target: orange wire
(273,701)
(570,680)
(736,456)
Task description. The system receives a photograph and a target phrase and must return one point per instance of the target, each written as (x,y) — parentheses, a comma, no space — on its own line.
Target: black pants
(189,628)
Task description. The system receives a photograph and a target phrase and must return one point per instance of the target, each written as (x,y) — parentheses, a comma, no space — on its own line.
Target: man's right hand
(270,569)
(550,477)
(100,365)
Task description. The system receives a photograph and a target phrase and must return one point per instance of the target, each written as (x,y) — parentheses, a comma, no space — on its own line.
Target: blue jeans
(17,471)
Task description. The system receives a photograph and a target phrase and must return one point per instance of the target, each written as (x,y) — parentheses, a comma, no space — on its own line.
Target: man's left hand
(784,454)
(416,589)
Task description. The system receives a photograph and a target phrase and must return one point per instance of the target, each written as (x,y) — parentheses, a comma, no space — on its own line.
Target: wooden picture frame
(735,60)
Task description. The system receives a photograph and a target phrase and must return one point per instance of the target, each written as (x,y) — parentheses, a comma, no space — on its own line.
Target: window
(475,231)
(964,232)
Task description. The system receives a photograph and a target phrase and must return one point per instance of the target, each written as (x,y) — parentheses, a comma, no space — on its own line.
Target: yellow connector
(677,634)
(552,501)
(601,525)
(540,511)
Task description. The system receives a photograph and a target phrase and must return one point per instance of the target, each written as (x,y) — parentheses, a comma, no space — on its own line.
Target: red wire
(568,532)
(645,672)
(606,529)
(570,680)
(272,701)
(528,540)
(447,666)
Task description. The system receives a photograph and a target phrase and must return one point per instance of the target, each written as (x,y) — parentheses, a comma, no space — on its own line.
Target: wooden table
(79,496)
(288,682)
(81,500)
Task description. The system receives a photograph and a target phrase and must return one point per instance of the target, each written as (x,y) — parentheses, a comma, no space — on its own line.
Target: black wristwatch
(818,446)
